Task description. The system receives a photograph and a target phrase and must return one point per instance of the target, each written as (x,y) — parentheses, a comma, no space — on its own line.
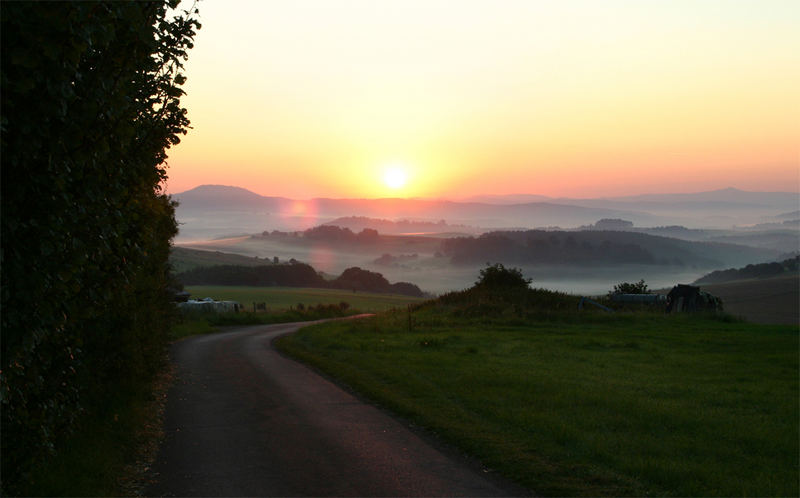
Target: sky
(451,99)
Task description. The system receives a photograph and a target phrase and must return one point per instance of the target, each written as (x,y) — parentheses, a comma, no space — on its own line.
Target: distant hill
(793,215)
(211,211)
(718,208)
(358,223)
(789,266)
(597,248)
(219,197)
(213,197)
(725,196)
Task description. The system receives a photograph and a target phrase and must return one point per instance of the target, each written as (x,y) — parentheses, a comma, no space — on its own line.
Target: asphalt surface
(243,420)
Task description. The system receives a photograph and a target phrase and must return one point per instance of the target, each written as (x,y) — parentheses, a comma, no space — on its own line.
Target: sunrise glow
(395,176)
(579,98)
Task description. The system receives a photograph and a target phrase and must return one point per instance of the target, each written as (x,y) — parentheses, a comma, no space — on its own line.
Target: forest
(591,247)
(295,274)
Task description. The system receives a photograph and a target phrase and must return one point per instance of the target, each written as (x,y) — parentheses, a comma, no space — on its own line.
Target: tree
(499,277)
(628,288)
(90,104)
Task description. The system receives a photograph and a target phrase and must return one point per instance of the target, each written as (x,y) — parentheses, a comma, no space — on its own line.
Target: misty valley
(399,248)
(586,255)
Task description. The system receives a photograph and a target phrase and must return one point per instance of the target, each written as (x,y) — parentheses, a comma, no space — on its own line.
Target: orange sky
(315,99)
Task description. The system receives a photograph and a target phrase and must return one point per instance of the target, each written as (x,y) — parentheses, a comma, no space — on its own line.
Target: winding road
(243,420)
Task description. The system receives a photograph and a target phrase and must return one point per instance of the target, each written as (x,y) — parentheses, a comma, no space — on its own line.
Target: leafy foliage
(90,104)
(288,275)
(501,295)
(631,288)
(497,276)
(329,233)
(295,274)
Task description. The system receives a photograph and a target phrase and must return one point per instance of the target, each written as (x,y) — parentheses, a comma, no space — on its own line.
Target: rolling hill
(216,211)
(210,211)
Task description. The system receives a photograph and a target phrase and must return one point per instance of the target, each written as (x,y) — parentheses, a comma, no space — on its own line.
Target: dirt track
(242,420)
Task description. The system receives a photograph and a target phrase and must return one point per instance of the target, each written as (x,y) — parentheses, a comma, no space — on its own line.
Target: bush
(499,277)
(628,288)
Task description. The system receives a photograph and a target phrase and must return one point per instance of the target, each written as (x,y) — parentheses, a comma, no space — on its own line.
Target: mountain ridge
(210,211)
(722,194)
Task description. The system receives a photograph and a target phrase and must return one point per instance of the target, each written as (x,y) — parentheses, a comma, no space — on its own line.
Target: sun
(395,176)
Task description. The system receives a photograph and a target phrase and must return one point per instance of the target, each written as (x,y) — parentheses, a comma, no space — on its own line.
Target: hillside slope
(770,300)
(183,259)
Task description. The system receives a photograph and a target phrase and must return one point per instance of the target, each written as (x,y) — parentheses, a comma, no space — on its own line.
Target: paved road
(242,420)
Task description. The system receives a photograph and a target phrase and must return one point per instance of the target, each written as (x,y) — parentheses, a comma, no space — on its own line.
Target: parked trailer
(639,298)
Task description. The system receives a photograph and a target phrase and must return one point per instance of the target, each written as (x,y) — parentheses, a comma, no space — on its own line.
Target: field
(183,259)
(278,298)
(769,300)
(625,404)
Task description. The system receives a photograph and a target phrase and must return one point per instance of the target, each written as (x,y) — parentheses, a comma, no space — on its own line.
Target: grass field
(277,298)
(767,300)
(625,404)
(183,259)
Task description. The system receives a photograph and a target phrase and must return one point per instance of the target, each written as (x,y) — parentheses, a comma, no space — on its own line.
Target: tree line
(591,248)
(330,234)
(295,275)
(538,246)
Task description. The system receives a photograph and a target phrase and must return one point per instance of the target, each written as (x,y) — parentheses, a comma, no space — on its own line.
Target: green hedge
(90,103)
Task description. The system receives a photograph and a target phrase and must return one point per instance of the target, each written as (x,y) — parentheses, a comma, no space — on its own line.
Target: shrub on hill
(503,292)
(498,277)
(357,279)
(364,280)
(630,288)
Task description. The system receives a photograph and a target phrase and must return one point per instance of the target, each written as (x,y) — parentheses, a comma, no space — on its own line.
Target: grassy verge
(567,404)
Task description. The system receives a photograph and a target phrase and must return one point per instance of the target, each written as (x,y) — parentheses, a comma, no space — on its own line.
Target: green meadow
(280,298)
(584,404)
